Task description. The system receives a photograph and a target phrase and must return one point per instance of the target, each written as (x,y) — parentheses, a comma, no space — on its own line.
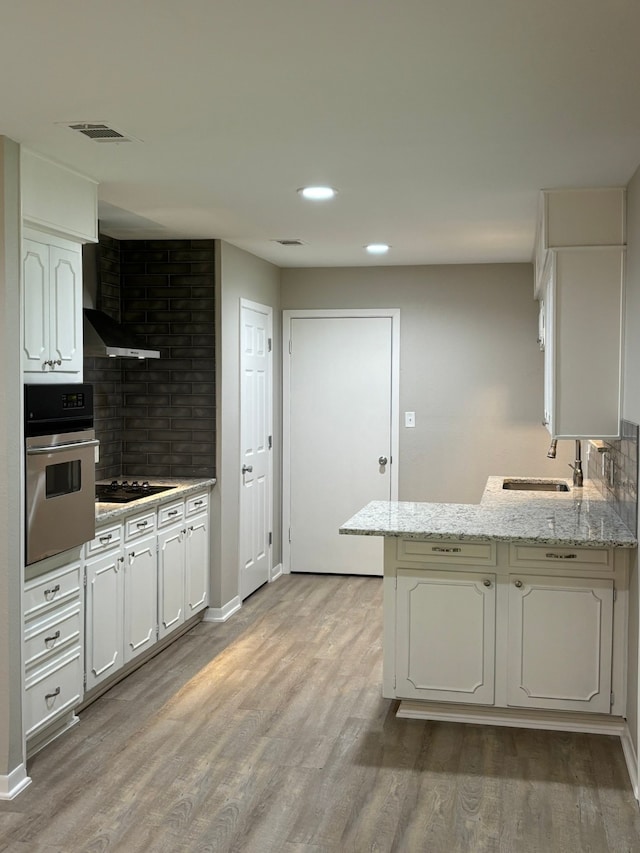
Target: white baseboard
(221,614)
(630,758)
(14,783)
(275,573)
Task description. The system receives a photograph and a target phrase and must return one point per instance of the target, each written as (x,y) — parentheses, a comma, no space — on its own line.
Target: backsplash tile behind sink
(615,473)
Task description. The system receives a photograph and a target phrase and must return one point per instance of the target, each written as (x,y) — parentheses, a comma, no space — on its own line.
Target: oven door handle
(56,448)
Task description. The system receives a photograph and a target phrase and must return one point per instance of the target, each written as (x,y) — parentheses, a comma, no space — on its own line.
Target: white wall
(631,412)
(239,275)
(470,368)
(11,743)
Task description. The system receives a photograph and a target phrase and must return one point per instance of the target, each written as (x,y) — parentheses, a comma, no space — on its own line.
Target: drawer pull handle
(487,582)
(198,503)
(173,512)
(551,556)
(49,593)
(141,524)
(446,550)
(106,538)
(519,584)
(53,695)
(52,639)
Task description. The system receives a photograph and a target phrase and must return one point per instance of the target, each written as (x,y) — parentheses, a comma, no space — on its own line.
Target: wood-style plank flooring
(269,733)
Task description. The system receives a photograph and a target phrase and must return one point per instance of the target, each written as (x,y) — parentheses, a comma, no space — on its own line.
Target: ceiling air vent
(100,131)
(289,242)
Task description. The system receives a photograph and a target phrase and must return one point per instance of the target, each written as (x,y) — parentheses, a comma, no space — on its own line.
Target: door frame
(331,313)
(268,311)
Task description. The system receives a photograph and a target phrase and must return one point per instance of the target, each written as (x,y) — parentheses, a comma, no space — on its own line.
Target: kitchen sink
(535,485)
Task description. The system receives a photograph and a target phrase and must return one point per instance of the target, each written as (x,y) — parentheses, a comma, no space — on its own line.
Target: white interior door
(255,446)
(339,436)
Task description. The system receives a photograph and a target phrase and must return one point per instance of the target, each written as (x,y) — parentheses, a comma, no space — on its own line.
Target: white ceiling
(437,120)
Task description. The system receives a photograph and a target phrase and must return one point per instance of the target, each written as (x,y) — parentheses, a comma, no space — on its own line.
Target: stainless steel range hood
(104,337)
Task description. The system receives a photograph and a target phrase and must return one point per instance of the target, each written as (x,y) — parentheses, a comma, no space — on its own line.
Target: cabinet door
(35,283)
(548,300)
(104,644)
(65,303)
(559,648)
(140,596)
(445,625)
(197,565)
(171,580)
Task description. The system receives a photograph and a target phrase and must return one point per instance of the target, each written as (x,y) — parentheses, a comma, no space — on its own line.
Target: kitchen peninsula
(512,612)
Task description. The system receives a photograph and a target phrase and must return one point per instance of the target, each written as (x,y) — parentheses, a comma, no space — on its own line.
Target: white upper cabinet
(57,200)
(580,285)
(52,309)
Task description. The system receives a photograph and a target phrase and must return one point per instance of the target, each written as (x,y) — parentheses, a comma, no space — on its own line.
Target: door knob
(247,469)
(382,460)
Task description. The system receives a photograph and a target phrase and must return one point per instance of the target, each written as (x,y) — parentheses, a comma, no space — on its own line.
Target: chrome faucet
(551,452)
(578,479)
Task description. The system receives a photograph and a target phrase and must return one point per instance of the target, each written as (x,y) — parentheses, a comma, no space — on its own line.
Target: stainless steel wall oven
(59,468)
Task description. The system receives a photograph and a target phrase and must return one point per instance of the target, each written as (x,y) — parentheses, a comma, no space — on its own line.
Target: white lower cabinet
(53,650)
(104,616)
(121,596)
(520,640)
(445,635)
(183,571)
(171,578)
(196,564)
(560,643)
(140,596)
(145,577)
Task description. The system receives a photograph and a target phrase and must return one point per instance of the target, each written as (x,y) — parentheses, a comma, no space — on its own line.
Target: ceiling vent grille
(100,131)
(289,242)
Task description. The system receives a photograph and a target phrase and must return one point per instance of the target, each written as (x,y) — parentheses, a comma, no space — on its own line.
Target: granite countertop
(182,487)
(578,517)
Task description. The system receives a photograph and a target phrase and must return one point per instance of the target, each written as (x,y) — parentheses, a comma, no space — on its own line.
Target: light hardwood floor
(269,733)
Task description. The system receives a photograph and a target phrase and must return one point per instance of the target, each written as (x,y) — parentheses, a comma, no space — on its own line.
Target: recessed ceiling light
(377,248)
(317,193)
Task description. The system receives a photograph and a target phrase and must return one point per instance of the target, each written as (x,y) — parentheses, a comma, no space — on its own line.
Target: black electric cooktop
(123,492)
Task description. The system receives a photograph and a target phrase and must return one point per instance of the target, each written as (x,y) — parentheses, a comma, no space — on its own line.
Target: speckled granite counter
(577,517)
(181,488)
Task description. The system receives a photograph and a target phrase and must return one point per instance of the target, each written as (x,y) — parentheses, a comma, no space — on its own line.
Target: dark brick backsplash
(157,418)
(614,470)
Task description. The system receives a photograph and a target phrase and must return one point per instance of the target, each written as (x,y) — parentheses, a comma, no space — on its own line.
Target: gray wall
(470,367)
(11,522)
(631,411)
(239,276)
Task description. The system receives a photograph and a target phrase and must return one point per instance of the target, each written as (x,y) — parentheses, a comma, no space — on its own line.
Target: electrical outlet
(409,419)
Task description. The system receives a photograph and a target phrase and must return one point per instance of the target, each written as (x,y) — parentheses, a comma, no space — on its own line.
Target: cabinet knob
(519,584)
(487,582)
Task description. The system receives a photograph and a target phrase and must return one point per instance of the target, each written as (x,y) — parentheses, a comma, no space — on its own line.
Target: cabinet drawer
(46,638)
(544,556)
(139,525)
(197,503)
(170,513)
(447,551)
(106,538)
(52,691)
(52,590)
